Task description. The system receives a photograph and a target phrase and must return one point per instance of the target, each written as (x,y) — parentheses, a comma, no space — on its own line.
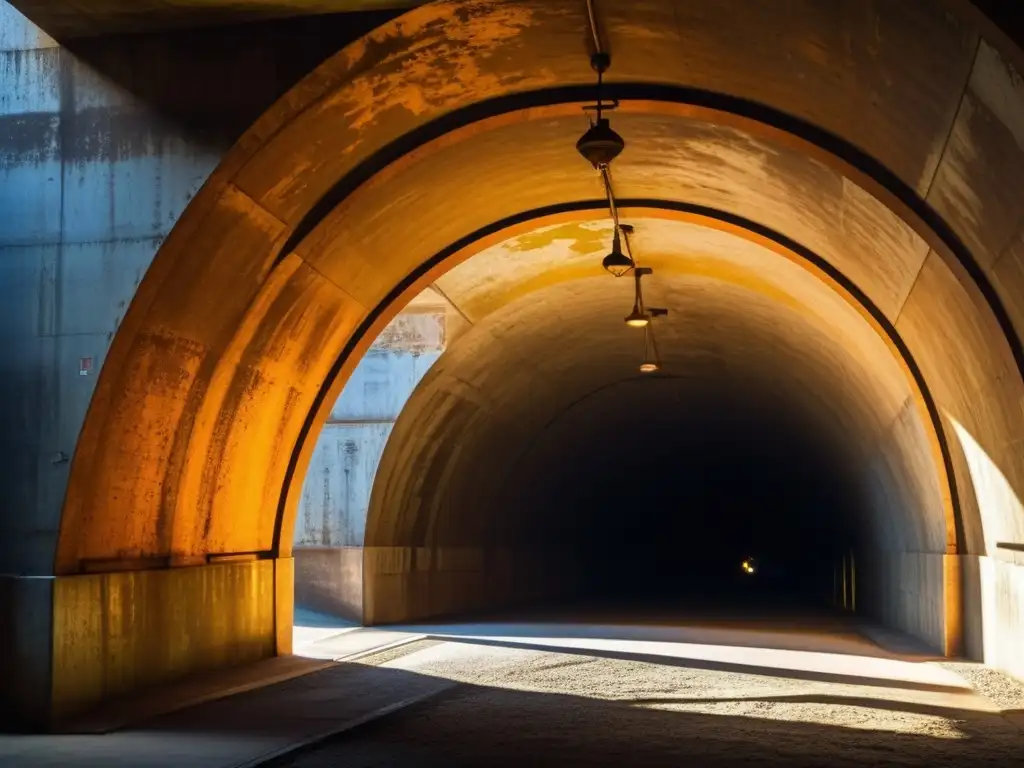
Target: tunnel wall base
(330,580)
(994,610)
(404,584)
(118,633)
(914,592)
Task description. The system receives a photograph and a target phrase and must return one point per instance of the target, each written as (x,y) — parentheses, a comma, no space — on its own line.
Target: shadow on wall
(993,579)
(213,83)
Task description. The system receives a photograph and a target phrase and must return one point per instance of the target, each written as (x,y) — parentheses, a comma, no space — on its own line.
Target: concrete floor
(612,687)
(660,690)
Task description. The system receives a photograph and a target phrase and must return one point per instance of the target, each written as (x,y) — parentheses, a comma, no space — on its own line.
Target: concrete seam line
(380,648)
(348,725)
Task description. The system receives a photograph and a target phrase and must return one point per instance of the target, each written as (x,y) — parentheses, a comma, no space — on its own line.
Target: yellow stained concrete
(115,633)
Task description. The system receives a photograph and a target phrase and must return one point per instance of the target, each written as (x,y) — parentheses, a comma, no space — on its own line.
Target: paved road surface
(725,694)
(605,689)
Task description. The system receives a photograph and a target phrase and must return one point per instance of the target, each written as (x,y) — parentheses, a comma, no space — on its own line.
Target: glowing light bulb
(637,319)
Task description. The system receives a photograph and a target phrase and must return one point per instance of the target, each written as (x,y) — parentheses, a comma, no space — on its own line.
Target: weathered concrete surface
(114,633)
(330,579)
(207,392)
(100,150)
(402,582)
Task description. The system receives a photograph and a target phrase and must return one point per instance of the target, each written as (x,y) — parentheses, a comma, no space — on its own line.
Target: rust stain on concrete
(443,52)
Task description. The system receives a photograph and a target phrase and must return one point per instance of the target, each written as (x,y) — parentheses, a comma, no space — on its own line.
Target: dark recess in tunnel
(662,499)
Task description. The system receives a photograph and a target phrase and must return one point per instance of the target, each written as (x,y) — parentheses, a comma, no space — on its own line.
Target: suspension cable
(606,177)
(593,27)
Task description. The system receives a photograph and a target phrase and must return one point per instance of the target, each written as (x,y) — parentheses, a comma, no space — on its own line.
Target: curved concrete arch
(567,270)
(201,417)
(672,156)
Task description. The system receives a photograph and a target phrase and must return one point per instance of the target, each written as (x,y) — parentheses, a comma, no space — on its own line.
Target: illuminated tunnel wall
(886,139)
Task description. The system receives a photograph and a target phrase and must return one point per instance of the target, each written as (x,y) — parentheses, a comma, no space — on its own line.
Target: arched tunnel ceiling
(367,171)
(678,157)
(748,330)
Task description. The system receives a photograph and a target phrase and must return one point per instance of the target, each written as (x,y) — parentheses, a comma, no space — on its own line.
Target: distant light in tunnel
(649,367)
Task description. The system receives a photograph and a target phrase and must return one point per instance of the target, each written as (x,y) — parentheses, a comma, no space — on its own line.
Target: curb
(346,726)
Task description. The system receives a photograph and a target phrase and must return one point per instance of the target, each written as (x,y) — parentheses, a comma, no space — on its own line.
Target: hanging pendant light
(652,360)
(638,318)
(617,262)
(600,144)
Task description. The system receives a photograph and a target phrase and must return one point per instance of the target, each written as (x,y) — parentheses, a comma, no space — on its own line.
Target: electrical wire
(606,177)
(613,209)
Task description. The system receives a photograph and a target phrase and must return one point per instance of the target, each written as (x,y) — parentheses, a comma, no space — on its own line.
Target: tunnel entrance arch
(277,278)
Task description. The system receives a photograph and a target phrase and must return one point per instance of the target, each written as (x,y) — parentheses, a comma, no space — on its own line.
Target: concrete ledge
(117,634)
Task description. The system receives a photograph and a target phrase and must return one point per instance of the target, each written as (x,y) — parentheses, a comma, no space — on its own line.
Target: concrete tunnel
(829,204)
(537,458)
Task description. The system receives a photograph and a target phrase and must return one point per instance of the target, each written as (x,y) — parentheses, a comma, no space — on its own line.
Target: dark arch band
(638,203)
(767,116)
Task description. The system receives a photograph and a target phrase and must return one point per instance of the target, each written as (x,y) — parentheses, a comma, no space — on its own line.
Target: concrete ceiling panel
(67,19)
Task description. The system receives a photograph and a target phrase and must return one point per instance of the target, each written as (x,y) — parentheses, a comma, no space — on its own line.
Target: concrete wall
(413,583)
(164,625)
(336,495)
(91,181)
(101,148)
(102,145)
(994,608)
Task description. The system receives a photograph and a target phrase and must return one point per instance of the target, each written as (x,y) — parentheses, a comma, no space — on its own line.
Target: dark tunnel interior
(665,499)
(535,463)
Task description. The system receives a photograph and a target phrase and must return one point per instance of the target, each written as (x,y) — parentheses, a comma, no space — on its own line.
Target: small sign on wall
(84,366)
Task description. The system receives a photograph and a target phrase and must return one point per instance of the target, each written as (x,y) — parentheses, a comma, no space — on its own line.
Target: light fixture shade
(637,319)
(600,144)
(617,262)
